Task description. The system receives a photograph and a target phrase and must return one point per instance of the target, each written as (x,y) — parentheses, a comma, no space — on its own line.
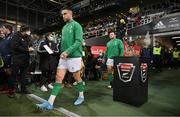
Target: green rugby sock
(56,89)
(110,77)
(80,86)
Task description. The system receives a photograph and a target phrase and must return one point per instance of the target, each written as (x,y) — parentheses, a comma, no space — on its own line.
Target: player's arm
(121,47)
(78,39)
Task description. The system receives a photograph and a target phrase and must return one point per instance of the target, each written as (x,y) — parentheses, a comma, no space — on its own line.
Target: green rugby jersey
(114,47)
(71,41)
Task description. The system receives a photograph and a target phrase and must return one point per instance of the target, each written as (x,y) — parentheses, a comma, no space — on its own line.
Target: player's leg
(80,86)
(55,91)
(57,86)
(61,71)
(109,64)
(74,66)
(110,75)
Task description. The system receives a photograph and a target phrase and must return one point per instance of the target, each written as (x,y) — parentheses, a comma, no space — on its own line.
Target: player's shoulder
(76,23)
(119,40)
(109,42)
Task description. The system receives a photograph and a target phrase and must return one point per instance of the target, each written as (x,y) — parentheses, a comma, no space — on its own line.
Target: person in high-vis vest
(157,56)
(176,58)
(114,48)
(70,59)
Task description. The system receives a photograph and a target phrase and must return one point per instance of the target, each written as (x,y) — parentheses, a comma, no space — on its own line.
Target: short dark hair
(24,28)
(66,8)
(112,31)
(47,34)
(9,27)
(157,42)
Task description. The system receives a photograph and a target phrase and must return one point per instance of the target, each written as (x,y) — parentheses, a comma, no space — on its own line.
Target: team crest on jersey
(144,68)
(125,71)
(70,30)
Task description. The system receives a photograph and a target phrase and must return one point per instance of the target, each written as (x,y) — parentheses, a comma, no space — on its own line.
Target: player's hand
(30,49)
(64,55)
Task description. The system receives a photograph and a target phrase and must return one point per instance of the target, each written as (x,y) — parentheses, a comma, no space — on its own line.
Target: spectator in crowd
(167,58)
(101,26)
(1,33)
(90,67)
(48,61)
(1,60)
(34,57)
(20,58)
(5,51)
(35,40)
(5,45)
(99,66)
(137,48)
(146,52)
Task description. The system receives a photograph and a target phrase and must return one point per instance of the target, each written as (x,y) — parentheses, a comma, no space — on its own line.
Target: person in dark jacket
(146,52)
(20,57)
(99,66)
(5,53)
(48,62)
(167,58)
(90,71)
(5,45)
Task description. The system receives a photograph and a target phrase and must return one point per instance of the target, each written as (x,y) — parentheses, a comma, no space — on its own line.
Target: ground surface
(164,99)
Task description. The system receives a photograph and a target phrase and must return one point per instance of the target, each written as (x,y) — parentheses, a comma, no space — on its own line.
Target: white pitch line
(66,112)
(60,109)
(36,98)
